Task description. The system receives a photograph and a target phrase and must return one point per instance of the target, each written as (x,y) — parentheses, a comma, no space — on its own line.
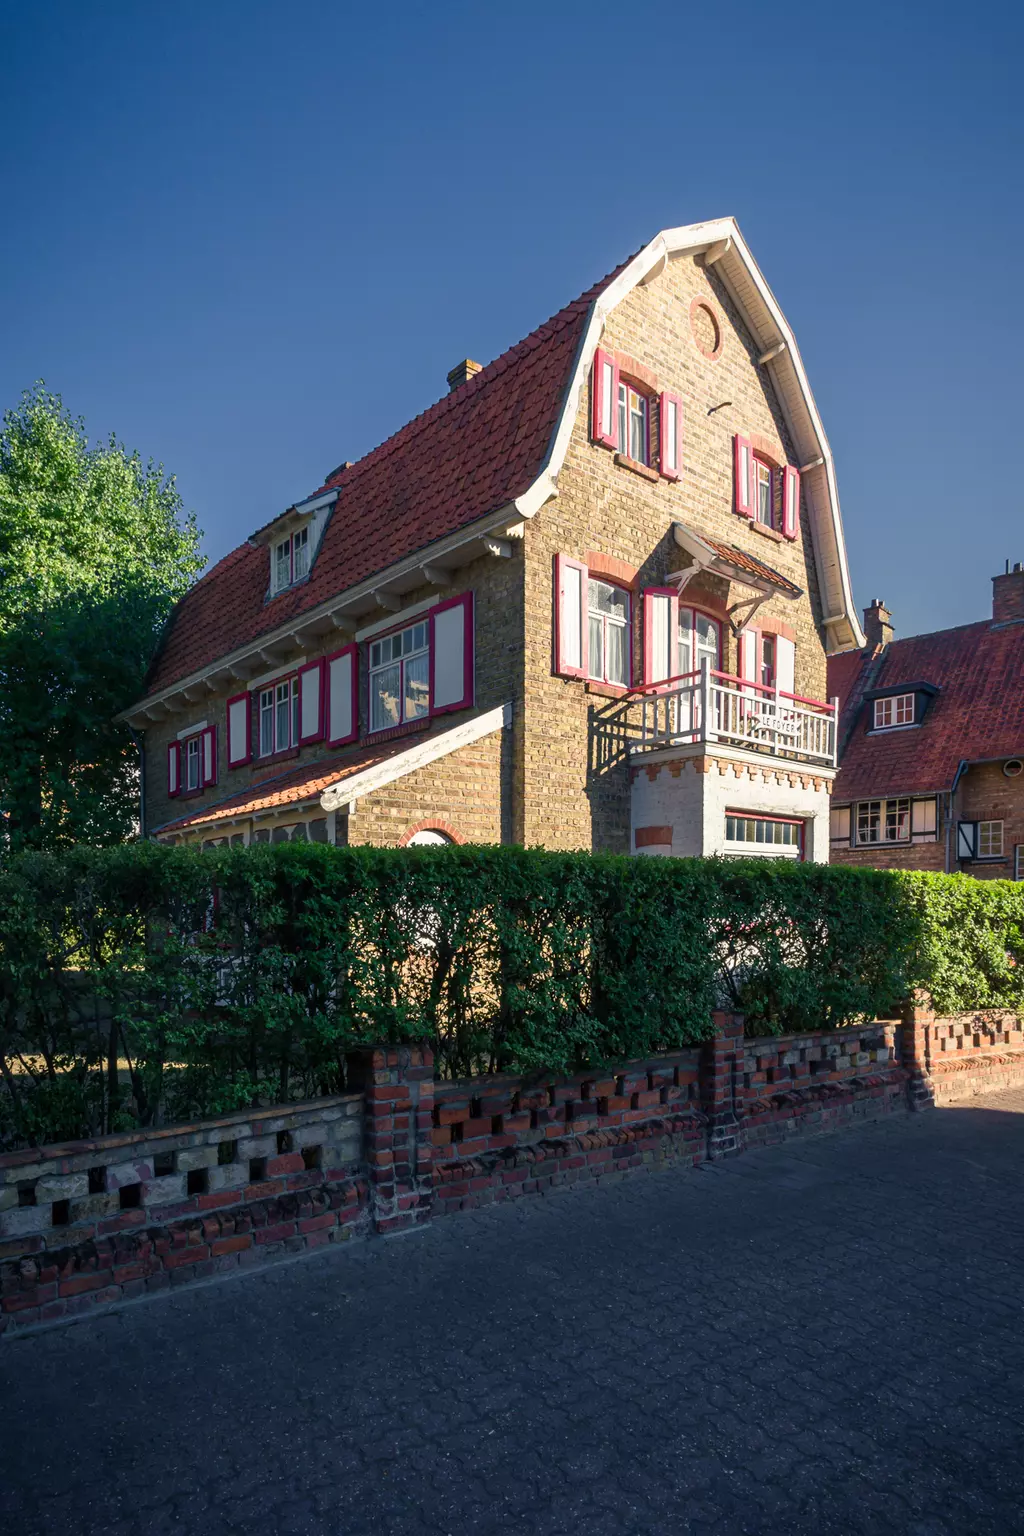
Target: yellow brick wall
(570,798)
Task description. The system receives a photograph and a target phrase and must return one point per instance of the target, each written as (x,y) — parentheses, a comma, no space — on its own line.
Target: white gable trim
(743,279)
(338,796)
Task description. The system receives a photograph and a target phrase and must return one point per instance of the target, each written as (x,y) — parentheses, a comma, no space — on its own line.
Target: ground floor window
(990,839)
(780,837)
(902,820)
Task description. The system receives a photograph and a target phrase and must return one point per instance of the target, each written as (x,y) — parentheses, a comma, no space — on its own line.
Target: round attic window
(1013,767)
(707,332)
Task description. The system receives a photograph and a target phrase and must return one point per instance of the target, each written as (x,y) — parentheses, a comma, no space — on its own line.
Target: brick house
(932,744)
(583,601)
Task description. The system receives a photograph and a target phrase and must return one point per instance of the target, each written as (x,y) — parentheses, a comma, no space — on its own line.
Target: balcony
(715,708)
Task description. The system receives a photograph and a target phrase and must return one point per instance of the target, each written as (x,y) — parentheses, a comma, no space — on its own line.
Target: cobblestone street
(824,1337)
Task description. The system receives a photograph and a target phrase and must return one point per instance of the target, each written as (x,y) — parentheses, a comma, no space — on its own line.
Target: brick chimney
(463,372)
(1008,595)
(877,624)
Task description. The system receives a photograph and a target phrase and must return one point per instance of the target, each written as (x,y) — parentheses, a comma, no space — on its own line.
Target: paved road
(810,1339)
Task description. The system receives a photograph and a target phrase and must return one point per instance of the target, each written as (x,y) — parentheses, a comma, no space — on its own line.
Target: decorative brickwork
(398,1097)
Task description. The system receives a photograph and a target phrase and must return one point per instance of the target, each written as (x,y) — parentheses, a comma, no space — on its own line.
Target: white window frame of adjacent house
(601,624)
(278,716)
(405,652)
(899,820)
(290,559)
(896,710)
(759,835)
(990,840)
(633,418)
(192,774)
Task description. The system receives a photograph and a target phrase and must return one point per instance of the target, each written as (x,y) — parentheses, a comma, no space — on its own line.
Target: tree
(94,551)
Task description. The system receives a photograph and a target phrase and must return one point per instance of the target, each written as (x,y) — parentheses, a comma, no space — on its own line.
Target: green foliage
(141,984)
(971,947)
(94,551)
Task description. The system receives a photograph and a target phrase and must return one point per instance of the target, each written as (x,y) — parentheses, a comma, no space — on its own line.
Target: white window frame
(788,846)
(418,648)
(193,748)
(633,409)
(764,478)
(990,842)
(289,560)
(277,709)
(609,621)
(888,818)
(895,710)
(686,639)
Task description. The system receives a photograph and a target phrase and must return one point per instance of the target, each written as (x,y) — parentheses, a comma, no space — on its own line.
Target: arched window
(428,837)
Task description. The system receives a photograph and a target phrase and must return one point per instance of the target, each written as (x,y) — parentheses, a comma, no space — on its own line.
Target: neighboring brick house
(583,601)
(932,744)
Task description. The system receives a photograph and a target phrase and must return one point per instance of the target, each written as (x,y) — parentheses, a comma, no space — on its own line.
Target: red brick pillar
(918,1017)
(398,1105)
(721,1085)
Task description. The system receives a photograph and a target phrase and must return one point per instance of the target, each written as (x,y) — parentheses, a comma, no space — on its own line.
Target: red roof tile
(290,788)
(978,713)
(473,451)
(751,564)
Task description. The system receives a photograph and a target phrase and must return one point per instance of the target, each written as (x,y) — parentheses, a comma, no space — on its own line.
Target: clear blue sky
(251,239)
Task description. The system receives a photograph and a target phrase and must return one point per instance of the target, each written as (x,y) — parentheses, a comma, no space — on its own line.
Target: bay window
(608,633)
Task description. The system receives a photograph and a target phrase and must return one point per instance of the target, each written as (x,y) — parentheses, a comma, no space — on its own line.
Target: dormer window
(291,559)
(898,709)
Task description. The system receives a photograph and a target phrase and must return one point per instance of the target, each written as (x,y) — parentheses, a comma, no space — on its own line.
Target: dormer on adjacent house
(932,744)
(583,600)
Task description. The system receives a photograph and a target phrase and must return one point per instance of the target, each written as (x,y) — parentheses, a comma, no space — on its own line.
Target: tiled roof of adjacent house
(466,456)
(292,787)
(977,714)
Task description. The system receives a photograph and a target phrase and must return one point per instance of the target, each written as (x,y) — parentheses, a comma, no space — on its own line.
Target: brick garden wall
(94,1223)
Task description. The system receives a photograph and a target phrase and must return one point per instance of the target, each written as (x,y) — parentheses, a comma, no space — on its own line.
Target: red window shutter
(790,502)
(239,729)
(174,769)
(743,465)
(311,702)
(208,756)
(572,635)
(604,399)
(341,695)
(670,436)
(451,655)
(661,626)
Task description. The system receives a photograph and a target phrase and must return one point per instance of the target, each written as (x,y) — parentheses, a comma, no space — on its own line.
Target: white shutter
(661,619)
(341,721)
(571,578)
(785,664)
(208,748)
(451,654)
(238,730)
(310,702)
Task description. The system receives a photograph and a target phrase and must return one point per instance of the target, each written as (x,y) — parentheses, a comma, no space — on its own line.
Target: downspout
(137,737)
(950,798)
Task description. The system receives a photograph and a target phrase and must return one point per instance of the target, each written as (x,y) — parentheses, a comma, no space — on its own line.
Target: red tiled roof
(978,713)
(470,453)
(290,788)
(751,564)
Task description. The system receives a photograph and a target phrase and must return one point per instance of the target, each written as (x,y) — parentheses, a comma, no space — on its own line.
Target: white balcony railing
(712,706)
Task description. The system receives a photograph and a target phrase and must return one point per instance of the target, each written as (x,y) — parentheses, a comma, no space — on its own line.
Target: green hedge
(141,984)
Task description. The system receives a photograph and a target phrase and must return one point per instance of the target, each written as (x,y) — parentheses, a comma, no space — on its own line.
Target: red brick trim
(768,449)
(410,728)
(625,462)
(430,825)
(653,837)
(769,626)
(699,303)
(605,690)
(611,568)
(636,371)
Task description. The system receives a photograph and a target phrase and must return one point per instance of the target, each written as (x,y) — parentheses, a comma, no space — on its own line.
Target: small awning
(734,564)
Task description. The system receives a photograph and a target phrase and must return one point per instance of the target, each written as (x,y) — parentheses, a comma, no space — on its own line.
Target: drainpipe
(138,740)
(950,812)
